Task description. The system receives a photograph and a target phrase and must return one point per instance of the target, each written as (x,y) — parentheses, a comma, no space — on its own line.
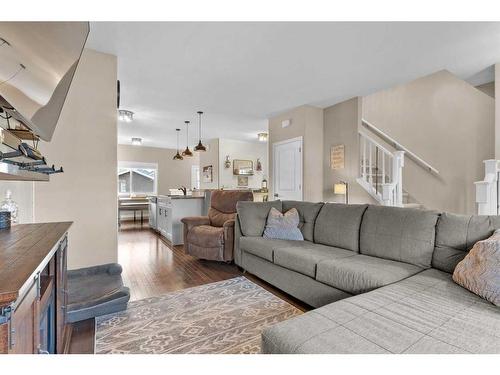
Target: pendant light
(199,146)
(178,156)
(187,152)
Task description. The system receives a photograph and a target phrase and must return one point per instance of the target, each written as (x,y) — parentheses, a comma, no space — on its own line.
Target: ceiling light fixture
(199,147)
(124,115)
(187,152)
(262,137)
(178,156)
(136,141)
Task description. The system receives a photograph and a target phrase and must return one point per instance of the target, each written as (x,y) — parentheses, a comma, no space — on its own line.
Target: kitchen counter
(193,196)
(170,211)
(186,196)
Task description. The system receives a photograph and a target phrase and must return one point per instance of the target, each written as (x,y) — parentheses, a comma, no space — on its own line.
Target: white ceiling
(242,73)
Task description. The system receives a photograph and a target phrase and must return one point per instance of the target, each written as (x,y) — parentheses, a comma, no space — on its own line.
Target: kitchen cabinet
(33,289)
(170,211)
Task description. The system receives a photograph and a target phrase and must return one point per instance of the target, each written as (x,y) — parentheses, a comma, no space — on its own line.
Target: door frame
(301,167)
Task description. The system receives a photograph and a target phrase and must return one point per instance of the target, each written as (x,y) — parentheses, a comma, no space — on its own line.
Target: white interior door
(287,171)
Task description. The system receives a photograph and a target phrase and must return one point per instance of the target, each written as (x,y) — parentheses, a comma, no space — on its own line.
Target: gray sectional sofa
(380,278)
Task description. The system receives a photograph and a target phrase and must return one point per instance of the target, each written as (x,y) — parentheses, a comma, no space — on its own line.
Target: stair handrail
(392,192)
(400,147)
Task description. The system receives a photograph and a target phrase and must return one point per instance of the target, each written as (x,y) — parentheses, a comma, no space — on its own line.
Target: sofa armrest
(228,226)
(236,242)
(194,221)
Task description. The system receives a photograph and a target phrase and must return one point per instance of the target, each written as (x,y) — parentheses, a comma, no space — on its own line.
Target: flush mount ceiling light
(187,152)
(136,141)
(124,115)
(178,156)
(262,137)
(199,147)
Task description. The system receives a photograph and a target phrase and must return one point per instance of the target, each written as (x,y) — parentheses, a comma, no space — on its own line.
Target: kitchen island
(33,291)
(171,209)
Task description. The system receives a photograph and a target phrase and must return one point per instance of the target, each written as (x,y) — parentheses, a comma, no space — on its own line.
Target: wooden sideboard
(33,289)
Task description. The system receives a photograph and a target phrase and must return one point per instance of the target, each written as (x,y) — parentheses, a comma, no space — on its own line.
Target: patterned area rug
(222,317)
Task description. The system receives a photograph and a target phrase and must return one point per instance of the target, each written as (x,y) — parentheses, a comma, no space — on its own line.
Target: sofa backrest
(339,224)
(252,216)
(308,213)
(457,234)
(401,234)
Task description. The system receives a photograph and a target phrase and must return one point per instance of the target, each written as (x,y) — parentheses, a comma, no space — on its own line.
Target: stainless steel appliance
(153,222)
(37,64)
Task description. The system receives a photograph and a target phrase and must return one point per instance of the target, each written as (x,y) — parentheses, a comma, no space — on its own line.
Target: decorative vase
(9,205)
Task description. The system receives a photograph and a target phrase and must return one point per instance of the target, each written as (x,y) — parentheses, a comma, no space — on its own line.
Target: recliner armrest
(194,221)
(229,224)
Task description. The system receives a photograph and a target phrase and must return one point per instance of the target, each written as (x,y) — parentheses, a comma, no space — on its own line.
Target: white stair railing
(487,191)
(381,171)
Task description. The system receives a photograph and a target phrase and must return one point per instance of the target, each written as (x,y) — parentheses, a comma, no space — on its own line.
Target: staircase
(381,170)
(488,190)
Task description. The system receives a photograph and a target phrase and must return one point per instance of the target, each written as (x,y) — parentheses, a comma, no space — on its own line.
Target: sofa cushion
(426,313)
(307,214)
(253,216)
(479,271)
(401,234)
(264,247)
(457,234)
(284,226)
(304,259)
(206,236)
(361,273)
(338,225)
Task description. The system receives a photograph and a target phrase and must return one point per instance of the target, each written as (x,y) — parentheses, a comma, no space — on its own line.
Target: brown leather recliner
(212,237)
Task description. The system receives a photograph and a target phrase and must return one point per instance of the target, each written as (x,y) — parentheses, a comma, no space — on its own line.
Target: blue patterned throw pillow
(283,226)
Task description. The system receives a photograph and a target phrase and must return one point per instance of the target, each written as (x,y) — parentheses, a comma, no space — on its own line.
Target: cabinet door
(61,294)
(23,324)
(159,218)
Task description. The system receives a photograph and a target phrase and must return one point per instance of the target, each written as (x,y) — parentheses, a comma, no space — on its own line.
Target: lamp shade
(340,188)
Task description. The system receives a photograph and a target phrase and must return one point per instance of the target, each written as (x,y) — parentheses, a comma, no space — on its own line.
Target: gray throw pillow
(283,226)
(479,271)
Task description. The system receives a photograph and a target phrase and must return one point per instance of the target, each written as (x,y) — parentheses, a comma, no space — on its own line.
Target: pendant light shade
(199,147)
(187,152)
(178,156)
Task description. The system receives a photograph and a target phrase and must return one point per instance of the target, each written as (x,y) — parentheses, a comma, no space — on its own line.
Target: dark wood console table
(33,289)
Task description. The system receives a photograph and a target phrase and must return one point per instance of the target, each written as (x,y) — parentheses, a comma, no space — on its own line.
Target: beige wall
(245,151)
(446,122)
(23,195)
(172,174)
(306,122)
(210,157)
(84,143)
(342,122)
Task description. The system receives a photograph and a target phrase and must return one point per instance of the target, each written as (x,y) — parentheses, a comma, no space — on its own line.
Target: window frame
(132,165)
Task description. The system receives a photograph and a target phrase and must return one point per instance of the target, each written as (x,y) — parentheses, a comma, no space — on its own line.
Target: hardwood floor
(151,267)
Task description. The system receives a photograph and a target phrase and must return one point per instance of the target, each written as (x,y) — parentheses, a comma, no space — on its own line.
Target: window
(137,178)
(195,177)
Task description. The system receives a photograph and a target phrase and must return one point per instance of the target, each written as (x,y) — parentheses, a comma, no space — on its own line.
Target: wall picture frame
(208,173)
(337,157)
(242,181)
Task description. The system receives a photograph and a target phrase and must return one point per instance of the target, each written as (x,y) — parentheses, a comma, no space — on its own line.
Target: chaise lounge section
(380,278)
